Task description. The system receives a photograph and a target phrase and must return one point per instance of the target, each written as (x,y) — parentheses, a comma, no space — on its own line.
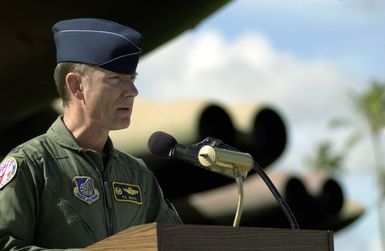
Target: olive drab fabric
(64,196)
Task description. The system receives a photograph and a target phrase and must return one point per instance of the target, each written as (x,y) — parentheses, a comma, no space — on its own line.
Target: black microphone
(164,145)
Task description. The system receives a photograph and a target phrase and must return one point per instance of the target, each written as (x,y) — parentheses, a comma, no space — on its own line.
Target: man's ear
(74,84)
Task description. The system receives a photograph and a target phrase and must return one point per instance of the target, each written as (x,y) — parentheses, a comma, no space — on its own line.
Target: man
(70,187)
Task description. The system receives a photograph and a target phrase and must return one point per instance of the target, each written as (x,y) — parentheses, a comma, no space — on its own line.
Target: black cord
(281,201)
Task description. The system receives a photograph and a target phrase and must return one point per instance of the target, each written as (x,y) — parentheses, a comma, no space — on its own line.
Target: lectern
(167,237)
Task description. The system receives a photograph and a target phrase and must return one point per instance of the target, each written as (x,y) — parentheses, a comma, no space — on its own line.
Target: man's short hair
(61,71)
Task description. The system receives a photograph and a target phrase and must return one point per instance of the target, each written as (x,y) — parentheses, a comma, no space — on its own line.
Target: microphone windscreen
(160,143)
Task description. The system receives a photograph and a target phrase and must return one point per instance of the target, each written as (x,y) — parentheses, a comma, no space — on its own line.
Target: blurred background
(299,84)
(305,58)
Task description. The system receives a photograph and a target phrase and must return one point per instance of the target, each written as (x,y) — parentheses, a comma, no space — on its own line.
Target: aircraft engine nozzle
(315,198)
(269,134)
(260,131)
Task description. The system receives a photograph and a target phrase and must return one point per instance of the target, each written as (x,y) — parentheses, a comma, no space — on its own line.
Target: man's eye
(114,80)
(133,77)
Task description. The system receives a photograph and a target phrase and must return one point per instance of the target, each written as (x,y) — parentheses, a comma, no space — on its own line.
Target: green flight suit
(65,196)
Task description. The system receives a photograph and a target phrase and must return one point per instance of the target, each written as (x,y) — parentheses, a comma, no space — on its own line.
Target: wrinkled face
(109,99)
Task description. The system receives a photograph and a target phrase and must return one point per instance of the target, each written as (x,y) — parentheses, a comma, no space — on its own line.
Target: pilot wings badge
(127,192)
(85,189)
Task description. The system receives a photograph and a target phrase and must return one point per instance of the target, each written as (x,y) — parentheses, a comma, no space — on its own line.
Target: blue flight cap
(98,42)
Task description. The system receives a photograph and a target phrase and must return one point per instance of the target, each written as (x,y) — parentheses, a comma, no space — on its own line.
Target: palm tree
(371,105)
(325,158)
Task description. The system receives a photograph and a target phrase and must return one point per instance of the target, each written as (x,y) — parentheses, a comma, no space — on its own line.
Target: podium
(167,237)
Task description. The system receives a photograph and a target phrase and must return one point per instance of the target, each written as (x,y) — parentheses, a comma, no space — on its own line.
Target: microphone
(208,155)
(164,145)
(227,162)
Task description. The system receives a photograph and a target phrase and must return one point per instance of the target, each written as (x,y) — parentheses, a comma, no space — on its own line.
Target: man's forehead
(105,72)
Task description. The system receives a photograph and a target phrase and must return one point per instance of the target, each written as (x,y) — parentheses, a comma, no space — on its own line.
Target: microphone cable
(281,201)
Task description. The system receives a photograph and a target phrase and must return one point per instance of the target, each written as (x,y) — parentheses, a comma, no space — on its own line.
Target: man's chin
(120,126)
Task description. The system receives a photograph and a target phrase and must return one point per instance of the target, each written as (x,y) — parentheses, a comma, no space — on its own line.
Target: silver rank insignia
(127,192)
(85,190)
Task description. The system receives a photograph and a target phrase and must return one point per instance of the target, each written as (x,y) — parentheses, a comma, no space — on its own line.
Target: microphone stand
(206,158)
(239,179)
(240,175)
(238,214)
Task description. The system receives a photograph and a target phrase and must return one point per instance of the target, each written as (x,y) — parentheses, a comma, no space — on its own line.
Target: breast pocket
(75,207)
(63,223)
(128,203)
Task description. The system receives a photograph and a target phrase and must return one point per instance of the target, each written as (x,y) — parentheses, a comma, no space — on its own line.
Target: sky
(302,57)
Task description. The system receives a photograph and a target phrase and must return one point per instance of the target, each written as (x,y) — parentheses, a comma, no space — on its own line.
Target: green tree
(370,104)
(325,157)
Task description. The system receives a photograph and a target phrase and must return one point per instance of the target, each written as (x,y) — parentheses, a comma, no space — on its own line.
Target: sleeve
(165,211)
(18,204)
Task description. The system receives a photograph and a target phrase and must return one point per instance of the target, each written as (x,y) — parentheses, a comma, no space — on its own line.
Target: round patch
(8,170)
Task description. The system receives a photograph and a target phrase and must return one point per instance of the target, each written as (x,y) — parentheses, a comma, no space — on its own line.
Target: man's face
(109,98)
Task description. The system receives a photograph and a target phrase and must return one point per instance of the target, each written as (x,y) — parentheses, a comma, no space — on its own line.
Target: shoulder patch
(8,168)
(127,193)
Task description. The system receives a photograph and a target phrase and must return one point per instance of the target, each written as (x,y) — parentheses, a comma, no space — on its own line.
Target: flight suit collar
(60,133)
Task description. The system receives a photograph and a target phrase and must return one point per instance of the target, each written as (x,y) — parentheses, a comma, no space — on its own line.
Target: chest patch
(8,168)
(85,189)
(127,192)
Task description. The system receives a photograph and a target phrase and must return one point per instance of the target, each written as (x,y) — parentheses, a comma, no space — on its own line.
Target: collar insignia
(85,190)
(8,168)
(127,192)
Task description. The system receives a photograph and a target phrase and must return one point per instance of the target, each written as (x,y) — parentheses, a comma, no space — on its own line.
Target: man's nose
(130,89)
(135,91)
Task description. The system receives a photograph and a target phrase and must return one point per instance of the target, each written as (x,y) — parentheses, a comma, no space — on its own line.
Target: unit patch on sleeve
(85,189)
(127,192)
(8,168)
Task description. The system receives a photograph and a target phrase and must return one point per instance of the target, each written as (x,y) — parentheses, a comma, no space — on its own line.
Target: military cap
(98,42)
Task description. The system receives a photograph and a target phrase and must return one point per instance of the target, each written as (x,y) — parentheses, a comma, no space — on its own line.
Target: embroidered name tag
(85,189)
(8,168)
(127,192)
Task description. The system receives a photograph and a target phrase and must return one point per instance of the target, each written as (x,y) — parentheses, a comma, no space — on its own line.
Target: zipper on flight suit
(108,207)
